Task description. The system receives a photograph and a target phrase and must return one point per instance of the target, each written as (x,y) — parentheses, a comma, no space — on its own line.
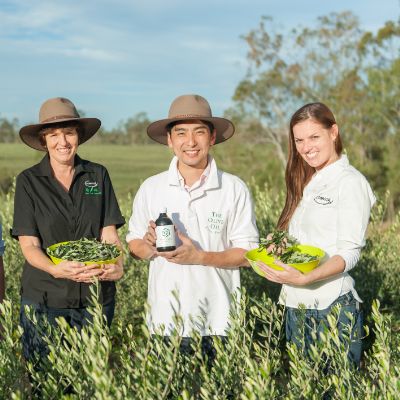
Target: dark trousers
(32,338)
(316,320)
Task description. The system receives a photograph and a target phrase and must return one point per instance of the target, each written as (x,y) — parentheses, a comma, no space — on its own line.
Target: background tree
(131,131)
(355,73)
(8,130)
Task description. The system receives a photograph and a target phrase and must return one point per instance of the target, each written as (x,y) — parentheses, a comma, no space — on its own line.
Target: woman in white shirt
(327,205)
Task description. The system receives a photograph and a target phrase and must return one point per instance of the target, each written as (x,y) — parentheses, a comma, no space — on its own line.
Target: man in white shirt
(214,219)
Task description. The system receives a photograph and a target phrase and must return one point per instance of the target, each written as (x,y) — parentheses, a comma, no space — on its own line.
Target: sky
(117,58)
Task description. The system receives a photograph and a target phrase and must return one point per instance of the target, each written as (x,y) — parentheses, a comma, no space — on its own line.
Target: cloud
(109,34)
(27,15)
(85,53)
(50,27)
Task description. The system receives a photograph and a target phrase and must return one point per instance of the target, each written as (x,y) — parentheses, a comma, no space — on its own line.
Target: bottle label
(165,236)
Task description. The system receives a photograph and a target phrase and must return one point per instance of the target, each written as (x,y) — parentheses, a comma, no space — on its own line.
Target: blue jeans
(33,344)
(316,320)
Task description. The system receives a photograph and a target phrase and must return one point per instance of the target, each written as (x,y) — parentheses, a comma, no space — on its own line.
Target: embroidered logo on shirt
(215,222)
(92,188)
(323,200)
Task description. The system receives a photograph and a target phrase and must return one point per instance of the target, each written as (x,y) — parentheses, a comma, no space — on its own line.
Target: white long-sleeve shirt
(332,215)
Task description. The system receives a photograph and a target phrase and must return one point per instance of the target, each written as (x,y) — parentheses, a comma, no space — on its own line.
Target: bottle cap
(164,210)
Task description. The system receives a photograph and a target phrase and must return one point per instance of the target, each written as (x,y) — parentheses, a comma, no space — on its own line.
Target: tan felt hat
(55,111)
(189,107)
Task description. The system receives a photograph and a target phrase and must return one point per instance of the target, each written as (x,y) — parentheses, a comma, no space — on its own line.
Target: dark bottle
(165,232)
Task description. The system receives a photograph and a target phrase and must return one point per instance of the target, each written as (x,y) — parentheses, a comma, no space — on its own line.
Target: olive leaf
(85,250)
(283,246)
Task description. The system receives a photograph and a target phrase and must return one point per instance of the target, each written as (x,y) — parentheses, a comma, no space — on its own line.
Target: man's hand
(145,248)
(149,240)
(186,253)
(150,236)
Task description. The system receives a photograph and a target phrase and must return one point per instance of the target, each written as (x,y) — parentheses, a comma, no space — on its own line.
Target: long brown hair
(298,172)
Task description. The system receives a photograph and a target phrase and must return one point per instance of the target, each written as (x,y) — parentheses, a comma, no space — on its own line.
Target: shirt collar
(209,175)
(44,168)
(199,182)
(332,170)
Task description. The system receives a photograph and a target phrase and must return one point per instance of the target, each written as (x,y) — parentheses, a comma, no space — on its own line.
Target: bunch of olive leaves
(85,250)
(283,246)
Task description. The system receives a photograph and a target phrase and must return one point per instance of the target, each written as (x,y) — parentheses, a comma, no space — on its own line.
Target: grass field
(130,165)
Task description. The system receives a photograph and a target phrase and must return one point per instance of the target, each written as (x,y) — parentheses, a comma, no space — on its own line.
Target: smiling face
(315,144)
(62,144)
(191,142)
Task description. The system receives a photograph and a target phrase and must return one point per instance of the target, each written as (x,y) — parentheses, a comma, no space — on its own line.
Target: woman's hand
(111,272)
(79,272)
(271,247)
(75,271)
(276,243)
(289,275)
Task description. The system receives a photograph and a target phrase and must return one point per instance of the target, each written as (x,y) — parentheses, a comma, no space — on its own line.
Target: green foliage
(77,361)
(8,130)
(84,250)
(11,362)
(253,363)
(131,131)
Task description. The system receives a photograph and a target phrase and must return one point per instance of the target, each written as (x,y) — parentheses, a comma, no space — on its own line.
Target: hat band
(58,117)
(190,116)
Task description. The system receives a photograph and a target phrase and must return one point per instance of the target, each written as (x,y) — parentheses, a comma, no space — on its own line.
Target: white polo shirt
(216,215)
(332,215)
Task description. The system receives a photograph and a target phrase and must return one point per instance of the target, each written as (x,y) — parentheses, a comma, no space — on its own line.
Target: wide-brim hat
(55,111)
(189,107)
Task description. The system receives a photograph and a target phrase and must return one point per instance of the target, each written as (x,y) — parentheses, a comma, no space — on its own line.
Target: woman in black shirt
(60,199)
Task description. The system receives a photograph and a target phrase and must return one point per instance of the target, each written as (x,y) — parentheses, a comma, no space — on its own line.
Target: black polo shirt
(42,208)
